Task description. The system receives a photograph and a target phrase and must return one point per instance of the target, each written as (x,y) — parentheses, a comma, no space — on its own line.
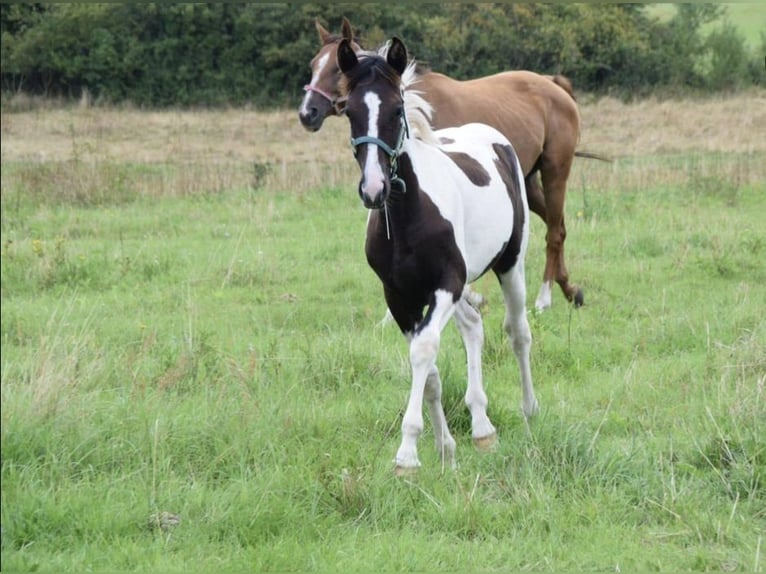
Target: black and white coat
(449,206)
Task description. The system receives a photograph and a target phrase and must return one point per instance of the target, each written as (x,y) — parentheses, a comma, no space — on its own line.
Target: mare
(537,113)
(446,206)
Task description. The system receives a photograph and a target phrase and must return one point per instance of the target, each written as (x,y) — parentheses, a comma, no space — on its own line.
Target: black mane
(368,68)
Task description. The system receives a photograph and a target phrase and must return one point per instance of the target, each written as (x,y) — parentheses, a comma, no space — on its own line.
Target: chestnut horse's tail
(591,155)
(564,83)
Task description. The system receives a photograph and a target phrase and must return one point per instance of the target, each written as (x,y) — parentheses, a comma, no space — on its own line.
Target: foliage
(163,54)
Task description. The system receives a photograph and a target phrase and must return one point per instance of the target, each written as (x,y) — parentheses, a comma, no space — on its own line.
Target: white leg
(424,347)
(469,322)
(445,444)
(517,328)
(543,300)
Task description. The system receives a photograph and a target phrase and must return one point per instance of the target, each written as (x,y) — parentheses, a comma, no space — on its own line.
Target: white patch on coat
(481,216)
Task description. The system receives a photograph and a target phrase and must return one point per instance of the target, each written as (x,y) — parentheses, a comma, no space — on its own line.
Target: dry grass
(217,149)
(204,150)
(726,124)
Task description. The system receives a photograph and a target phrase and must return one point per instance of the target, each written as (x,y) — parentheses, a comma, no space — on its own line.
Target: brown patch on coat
(507,167)
(470,167)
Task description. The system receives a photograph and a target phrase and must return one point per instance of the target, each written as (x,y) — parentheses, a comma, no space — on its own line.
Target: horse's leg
(424,346)
(536,200)
(554,177)
(535,196)
(471,328)
(517,328)
(445,444)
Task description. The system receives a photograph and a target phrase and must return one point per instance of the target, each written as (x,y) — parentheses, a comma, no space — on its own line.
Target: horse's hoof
(405,471)
(485,443)
(579,298)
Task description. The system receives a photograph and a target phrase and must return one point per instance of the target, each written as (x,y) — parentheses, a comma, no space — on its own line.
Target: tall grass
(203,340)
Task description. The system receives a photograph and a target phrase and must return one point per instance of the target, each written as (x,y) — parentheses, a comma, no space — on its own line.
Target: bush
(158,54)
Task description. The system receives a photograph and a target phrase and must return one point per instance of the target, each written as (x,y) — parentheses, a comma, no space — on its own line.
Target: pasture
(749,18)
(189,326)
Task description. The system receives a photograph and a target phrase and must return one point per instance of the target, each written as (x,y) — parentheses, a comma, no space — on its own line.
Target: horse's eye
(399,110)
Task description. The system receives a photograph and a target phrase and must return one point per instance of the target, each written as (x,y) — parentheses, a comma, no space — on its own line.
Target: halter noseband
(393,153)
(338,104)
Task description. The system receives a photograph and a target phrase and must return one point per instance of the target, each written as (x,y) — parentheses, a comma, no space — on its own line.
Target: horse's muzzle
(376,200)
(311,119)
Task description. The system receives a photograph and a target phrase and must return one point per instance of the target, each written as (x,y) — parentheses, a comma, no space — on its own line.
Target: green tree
(166,54)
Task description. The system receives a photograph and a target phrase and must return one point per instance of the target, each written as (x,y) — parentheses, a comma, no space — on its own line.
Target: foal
(446,207)
(537,113)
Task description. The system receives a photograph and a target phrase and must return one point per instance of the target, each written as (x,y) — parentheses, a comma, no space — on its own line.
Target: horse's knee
(556,235)
(521,340)
(469,323)
(424,348)
(473,333)
(433,389)
(518,331)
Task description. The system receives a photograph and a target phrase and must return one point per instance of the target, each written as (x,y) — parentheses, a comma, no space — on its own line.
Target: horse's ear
(346,31)
(346,57)
(324,35)
(397,55)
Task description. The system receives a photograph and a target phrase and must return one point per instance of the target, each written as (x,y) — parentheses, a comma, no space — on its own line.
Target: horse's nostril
(310,118)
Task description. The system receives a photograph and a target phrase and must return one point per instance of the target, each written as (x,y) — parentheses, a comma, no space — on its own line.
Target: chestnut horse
(446,207)
(537,113)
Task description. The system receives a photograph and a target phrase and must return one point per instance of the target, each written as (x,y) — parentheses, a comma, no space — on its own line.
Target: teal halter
(393,153)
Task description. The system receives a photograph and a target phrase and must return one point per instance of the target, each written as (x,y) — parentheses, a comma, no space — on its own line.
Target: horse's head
(375,109)
(323,97)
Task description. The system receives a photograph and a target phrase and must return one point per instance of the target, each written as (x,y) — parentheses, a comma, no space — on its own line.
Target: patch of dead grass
(270,148)
(726,124)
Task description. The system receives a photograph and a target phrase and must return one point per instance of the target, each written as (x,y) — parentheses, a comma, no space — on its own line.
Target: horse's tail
(591,155)
(565,84)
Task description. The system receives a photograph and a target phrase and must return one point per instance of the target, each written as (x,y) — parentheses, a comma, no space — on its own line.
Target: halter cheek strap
(338,104)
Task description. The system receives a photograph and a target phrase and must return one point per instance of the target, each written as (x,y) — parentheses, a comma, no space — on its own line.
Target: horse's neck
(403,204)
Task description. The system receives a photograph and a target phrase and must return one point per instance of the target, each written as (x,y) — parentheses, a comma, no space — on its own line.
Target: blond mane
(416,109)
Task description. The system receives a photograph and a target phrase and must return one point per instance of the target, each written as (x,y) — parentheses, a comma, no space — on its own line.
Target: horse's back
(527,88)
(525,106)
(479,186)
(483,142)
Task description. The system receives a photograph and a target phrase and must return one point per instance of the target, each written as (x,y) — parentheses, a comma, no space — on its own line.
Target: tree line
(212,54)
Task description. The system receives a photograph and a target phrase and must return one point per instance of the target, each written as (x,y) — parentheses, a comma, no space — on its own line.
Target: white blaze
(373,178)
(321,63)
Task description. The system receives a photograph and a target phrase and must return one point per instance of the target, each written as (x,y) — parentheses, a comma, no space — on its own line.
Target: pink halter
(338,104)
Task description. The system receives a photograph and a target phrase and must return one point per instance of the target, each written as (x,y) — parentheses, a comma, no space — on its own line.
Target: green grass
(218,356)
(749,18)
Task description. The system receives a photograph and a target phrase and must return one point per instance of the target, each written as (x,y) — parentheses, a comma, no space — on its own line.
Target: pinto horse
(537,113)
(445,206)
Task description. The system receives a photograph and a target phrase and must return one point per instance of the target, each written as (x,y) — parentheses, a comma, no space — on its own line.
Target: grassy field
(748,17)
(189,327)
